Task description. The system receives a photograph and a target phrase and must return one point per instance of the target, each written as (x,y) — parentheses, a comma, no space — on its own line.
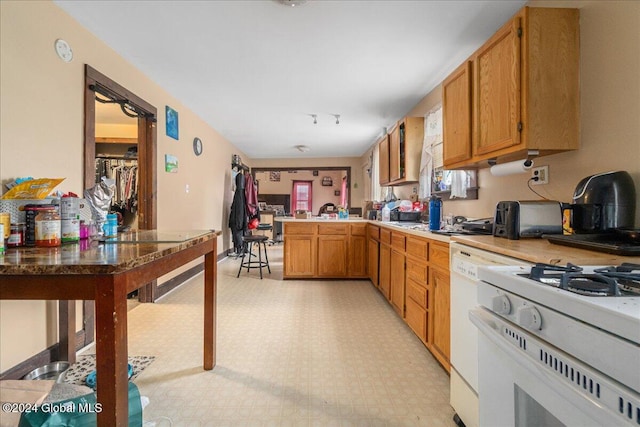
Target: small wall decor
(170,163)
(274,176)
(315,173)
(172,122)
(327,181)
(197,146)
(336,193)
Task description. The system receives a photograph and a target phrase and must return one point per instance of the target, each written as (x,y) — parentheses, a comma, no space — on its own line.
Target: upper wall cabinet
(524,91)
(405,149)
(456,115)
(383,153)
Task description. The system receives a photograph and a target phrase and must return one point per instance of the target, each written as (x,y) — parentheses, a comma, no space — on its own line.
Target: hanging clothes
(238,218)
(251,197)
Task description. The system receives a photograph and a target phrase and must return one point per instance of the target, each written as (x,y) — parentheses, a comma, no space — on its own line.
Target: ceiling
(255,71)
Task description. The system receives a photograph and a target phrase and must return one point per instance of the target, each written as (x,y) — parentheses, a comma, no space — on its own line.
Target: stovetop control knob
(529,317)
(501,304)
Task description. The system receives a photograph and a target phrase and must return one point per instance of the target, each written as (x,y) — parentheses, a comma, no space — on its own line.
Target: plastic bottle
(386,213)
(435,212)
(110,228)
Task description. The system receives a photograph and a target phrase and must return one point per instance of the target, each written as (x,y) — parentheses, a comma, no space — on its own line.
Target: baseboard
(46,356)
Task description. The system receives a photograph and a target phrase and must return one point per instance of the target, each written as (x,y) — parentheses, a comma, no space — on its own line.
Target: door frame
(147,166)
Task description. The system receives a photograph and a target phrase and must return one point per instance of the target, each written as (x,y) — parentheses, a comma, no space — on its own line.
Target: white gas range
(559,345)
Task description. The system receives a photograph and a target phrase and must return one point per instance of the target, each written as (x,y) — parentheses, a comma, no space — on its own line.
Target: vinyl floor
(289,353)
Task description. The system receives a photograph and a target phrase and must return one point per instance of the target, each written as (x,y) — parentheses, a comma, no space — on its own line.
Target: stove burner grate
(589,284)
(621,280)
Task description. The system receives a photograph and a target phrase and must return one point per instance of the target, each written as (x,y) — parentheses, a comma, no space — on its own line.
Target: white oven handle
(607,400)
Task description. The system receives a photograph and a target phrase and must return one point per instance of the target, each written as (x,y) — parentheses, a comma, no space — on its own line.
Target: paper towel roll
(511,168)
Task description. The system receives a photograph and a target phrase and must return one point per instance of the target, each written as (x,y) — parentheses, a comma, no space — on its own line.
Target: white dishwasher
(464,262)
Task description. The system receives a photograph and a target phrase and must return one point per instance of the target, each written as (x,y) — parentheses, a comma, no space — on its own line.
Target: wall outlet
(542,173)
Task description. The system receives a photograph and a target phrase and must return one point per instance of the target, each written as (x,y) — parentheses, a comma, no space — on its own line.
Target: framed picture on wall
(170,163)
(336,193)
(274,176)
(172,122)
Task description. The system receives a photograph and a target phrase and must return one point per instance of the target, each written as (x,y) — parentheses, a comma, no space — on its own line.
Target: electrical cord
(535,178)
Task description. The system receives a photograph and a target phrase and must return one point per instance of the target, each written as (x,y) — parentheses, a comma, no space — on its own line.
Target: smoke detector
(292,3)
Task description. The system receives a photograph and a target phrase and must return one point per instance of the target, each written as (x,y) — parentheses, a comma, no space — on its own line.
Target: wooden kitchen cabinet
(300,250)
(440,322)
(373,253)
(325,250)
(456,115)
(384,279)
(332,256)
(397,281)
(439,313)
(413,274)
(300,256)
(417,284)
(405,147)
(357,251)
(383,159)
(524,92)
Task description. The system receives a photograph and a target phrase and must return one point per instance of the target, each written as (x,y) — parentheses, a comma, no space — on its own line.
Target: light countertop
(540,250)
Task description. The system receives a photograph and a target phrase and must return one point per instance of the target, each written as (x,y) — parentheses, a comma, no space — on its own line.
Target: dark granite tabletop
(129,250)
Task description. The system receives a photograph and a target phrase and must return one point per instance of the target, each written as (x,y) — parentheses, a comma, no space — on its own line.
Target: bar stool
(260,242)
(263,227)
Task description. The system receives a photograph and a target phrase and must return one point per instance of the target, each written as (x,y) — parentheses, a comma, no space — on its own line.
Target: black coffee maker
(603,202)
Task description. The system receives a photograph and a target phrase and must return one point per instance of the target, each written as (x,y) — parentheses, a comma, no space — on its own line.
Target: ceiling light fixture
(292,3)
(337,116)
(302,148)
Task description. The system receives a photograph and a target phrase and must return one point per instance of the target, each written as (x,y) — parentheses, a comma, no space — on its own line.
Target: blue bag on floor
(78,412)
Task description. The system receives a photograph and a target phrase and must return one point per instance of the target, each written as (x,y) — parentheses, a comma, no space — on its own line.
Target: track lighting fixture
(315,118)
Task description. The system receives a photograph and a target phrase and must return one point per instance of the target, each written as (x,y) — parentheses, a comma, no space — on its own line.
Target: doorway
(99,85)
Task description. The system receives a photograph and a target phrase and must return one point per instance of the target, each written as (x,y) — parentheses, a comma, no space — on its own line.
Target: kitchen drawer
(333,229)
(417,293)
(299,228)
(398,241)
(385,236)
(416,318)
(418,271)
(439,254)
(418,248)
(359,229)
(374,232)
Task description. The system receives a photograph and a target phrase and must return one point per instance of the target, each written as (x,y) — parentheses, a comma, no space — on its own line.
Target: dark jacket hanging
(238,218)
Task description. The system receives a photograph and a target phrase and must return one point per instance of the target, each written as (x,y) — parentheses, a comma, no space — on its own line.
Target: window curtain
(374,167)
(301,196)
(431,151)
(344,193)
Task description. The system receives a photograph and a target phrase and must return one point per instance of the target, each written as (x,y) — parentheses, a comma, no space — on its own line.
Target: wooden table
(106,273)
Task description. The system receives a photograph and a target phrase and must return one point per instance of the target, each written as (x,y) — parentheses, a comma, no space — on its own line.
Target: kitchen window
(302,196)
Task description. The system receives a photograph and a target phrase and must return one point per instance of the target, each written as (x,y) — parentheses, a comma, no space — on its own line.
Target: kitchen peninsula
(106,273)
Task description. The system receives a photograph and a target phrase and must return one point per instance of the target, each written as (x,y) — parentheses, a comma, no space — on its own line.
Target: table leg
(210,295)
(111,350)
(67,331)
